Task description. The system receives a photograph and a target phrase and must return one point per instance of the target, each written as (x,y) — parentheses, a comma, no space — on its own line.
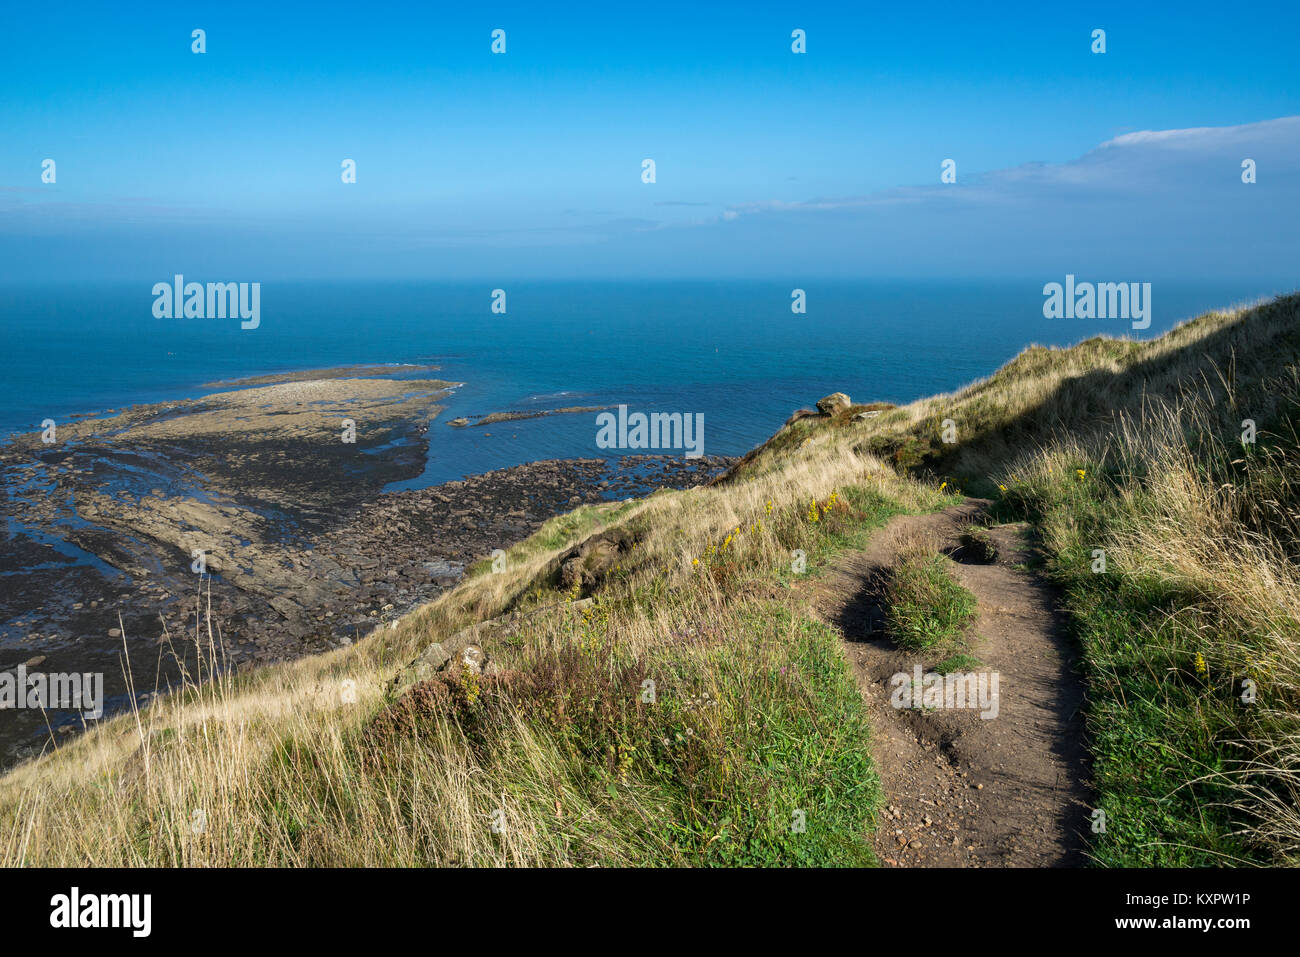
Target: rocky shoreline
(255,497)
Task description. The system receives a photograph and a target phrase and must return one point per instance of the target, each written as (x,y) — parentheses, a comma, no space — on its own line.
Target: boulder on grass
(835,402)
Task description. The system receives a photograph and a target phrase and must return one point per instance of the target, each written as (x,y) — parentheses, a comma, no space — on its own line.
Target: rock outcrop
(464,651)
(835,402)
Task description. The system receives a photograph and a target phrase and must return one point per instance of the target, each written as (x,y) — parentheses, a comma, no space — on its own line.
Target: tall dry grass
(1108,444)
(1201,528)
(280,766)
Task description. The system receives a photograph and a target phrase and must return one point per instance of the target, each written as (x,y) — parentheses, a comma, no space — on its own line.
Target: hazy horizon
(527,164)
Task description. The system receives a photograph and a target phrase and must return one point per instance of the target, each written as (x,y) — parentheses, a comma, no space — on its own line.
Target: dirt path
(960,790)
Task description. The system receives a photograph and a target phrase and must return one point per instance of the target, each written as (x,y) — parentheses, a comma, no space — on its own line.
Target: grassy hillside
(1141,454)
(669,699)
(752,749)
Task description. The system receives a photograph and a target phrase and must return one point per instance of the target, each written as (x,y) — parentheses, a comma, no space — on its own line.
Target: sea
(733,351)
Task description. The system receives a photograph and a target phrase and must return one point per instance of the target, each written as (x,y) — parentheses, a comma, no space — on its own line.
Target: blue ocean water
(731,350)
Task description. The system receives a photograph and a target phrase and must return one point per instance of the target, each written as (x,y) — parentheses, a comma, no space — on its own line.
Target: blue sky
(528,164)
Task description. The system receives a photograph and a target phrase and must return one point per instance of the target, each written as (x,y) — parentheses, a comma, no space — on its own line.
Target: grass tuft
(926,609)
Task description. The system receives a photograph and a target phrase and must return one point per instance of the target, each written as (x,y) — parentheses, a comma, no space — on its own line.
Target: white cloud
(1185,160)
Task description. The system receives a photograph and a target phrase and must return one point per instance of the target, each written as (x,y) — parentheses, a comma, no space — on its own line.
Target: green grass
(802,743)
(1158,728)
(958,663)
(755,750)
(926,609)
(863,512)
(1136,448)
